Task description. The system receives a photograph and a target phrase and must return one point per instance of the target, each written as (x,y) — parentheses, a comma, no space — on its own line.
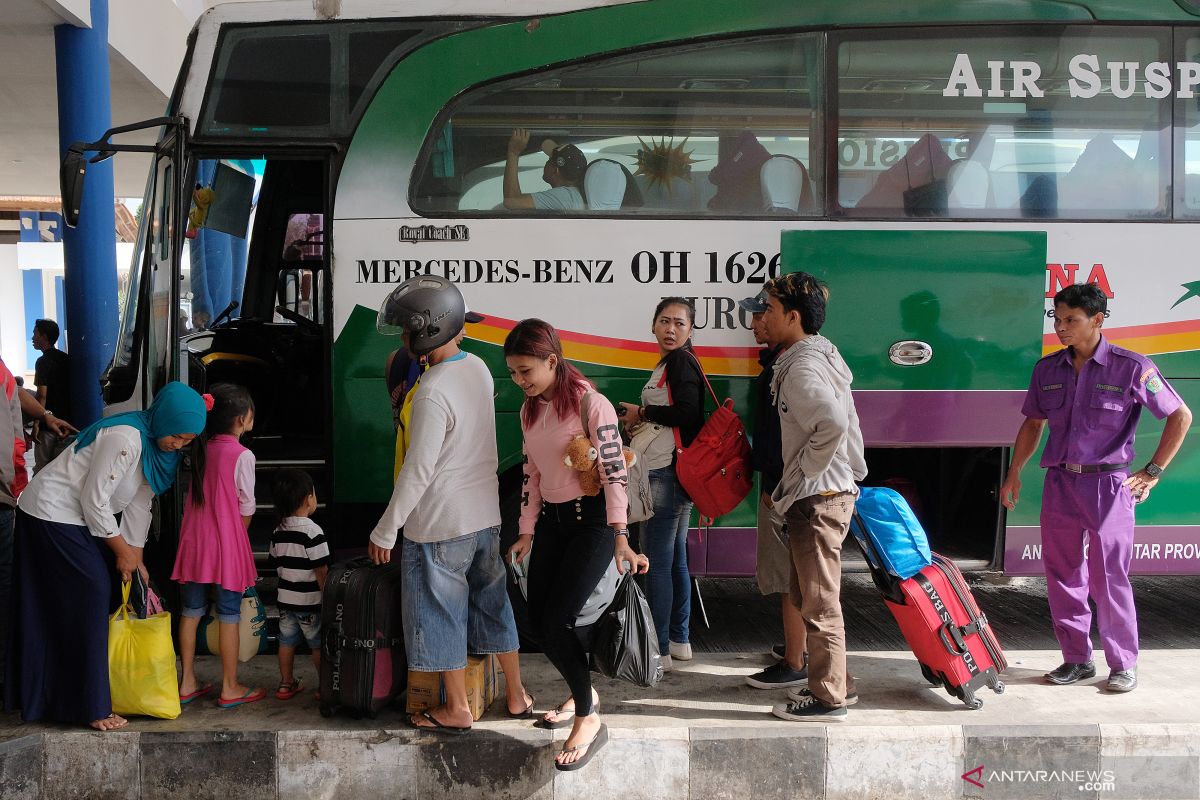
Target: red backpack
(715,468)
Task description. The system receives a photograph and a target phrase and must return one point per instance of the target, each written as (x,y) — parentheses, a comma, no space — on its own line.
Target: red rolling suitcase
(948,633)
(943,626)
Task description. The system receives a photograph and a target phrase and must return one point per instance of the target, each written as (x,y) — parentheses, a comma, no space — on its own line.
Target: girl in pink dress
(214,548)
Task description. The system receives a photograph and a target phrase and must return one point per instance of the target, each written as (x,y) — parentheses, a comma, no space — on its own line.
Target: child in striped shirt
(301,559)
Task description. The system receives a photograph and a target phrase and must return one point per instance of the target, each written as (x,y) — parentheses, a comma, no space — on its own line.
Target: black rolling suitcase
(363,666)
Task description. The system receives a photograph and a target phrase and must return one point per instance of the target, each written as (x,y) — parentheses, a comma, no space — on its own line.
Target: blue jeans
(297,626)
(664,541)
(194,599)
(455,601)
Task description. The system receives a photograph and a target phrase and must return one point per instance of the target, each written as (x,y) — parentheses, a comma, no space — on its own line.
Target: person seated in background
(564,170)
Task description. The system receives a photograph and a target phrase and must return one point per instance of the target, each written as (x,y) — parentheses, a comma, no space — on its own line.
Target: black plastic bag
(624,642)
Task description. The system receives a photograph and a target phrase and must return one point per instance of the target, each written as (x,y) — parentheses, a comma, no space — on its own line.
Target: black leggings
(572,548)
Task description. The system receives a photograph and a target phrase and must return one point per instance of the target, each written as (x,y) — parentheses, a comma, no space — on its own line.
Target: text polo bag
(715,468)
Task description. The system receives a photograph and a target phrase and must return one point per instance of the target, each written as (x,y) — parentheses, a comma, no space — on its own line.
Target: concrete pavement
(701,733)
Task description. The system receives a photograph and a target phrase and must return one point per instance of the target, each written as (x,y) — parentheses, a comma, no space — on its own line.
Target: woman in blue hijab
(67,538)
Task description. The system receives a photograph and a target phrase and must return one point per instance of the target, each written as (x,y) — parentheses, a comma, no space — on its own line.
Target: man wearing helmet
(564,170)
(446,499)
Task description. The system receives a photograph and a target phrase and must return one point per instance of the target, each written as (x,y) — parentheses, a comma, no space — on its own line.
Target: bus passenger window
(1187,161)
(689,127)
(984,124)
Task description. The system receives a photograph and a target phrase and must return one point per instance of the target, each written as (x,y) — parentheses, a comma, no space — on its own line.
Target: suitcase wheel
(999,687)
(927,673)
(968,697)
(326,710)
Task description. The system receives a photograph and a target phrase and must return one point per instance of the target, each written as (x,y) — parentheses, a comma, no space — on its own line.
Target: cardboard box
(425,689)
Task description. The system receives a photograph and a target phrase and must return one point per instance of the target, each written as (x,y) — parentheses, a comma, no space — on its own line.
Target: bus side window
(693,124)
(928,126)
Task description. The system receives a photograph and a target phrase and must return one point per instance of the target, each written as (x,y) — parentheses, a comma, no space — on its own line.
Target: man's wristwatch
(1153,470)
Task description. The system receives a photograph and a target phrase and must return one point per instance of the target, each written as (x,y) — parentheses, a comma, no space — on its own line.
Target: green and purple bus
(944,166)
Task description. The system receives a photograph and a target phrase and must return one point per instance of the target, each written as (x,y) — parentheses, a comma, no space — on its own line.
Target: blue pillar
(90,249)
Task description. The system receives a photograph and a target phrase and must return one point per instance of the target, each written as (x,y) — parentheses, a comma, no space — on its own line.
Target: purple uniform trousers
(1099,506)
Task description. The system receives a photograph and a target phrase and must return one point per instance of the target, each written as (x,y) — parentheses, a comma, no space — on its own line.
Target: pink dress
(213,544)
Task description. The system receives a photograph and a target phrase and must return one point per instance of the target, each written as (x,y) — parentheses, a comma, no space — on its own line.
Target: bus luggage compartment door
(940,327)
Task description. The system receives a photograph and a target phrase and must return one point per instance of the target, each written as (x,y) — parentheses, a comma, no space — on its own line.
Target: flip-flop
(251,696)
(528,712)
(546,724)
(436,726)
(204,689)
(598,741)
(287,691)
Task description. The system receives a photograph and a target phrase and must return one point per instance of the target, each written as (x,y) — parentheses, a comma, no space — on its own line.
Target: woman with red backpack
(673,398)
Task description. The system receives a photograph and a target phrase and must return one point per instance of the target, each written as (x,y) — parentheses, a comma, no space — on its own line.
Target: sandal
(557,711)
(598,741)
(97,723)
(287,691)
(251,696)
(204,689)
(434,725)
(528,712)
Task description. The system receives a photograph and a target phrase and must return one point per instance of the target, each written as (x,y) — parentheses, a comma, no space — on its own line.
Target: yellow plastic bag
(141,663)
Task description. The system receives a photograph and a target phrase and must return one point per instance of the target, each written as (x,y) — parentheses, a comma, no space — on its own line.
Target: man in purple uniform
(1092,394)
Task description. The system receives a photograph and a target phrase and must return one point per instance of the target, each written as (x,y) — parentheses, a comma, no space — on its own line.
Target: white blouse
(90,486)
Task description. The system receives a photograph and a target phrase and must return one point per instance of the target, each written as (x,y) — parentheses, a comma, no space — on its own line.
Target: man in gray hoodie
(822,459)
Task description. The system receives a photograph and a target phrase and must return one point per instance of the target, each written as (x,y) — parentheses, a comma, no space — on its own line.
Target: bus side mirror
(70,184)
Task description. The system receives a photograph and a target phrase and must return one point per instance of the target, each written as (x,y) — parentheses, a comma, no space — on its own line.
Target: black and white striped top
(298,546)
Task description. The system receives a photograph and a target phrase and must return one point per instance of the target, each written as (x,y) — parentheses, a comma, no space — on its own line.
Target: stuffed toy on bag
(581,456)
(202,198)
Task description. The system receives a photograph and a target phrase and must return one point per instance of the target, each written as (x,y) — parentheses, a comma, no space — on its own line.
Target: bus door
(254,308)
(941,329)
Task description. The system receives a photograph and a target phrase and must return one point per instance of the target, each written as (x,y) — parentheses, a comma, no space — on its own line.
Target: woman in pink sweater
(578,536)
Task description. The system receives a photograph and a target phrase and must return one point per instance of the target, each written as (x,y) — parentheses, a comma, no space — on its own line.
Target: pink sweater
(549,479)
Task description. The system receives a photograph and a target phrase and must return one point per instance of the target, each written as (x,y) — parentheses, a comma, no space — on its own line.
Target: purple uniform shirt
(1093,415)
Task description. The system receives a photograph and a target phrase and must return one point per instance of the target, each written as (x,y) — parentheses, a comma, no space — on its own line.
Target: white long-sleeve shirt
(448,486)
(91,486)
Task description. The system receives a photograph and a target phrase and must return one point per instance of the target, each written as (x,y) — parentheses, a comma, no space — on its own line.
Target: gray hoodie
(822,443)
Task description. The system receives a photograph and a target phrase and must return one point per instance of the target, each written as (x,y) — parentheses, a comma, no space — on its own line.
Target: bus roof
(668,19)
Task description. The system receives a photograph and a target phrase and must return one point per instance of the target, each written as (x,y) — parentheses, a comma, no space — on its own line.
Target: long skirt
(58,649)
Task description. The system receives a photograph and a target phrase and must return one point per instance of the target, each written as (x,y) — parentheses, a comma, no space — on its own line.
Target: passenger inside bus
(565,165)
(737,173)
(915,183)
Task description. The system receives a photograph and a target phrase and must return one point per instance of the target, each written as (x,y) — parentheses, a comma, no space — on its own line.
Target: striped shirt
(298,546)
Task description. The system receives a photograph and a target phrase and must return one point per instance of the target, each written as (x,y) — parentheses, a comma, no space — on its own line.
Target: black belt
(1084,469)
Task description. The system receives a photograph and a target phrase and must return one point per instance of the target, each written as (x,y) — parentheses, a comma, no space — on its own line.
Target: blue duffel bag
(884,521)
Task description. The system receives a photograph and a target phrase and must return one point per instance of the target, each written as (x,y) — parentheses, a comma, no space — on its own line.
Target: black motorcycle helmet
(429,308)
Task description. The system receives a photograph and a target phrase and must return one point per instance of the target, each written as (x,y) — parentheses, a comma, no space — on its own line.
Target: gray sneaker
(809,708)
(1122,680)
(778,676)
(802,692)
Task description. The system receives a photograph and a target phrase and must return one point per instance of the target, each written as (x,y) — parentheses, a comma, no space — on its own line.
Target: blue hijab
(176,409)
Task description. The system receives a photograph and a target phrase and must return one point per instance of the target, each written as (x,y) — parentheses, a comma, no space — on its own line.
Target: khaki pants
(816,527)
(773,567)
